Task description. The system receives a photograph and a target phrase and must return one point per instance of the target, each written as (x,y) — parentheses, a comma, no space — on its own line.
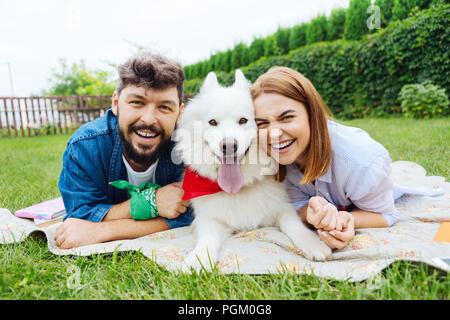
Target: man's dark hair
(150,70)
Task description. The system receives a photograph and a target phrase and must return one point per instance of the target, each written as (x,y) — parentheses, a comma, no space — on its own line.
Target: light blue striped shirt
(358,175)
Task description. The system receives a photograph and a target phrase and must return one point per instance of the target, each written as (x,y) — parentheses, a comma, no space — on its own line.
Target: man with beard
(129,146)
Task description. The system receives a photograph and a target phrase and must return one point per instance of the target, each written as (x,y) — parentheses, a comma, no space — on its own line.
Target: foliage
(321,28)
(256,49)
(282,40)
(424,100)
(317,30)
(78,80)
(336,23)
(386,7)
(356,19)
(297,37)
(370,73)
(239,56)
(402,8)
(270,47)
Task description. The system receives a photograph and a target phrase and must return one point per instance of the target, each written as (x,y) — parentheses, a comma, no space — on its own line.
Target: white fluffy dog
(217,139)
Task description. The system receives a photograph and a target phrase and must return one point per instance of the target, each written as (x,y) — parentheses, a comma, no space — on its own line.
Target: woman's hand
(323,215)
(339,239)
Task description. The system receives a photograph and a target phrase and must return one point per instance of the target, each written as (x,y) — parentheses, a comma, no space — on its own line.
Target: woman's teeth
(283,145)
(146,134)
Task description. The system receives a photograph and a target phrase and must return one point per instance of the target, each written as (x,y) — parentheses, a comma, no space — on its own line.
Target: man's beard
(142,158)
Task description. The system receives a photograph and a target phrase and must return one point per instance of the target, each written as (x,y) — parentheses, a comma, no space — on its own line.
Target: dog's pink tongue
(230,177)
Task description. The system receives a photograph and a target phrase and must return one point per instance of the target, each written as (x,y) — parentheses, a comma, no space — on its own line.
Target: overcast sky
(34,34)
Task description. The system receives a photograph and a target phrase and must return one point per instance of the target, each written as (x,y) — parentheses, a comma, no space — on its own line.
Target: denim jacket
(93,158)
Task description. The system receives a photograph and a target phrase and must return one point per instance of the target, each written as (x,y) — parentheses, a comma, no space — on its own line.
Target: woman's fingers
(329,221)
(331,241)
(314,215)
(339,222)
(344,236)
(348,231)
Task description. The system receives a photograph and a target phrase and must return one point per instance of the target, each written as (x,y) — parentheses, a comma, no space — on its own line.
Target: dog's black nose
(229,146)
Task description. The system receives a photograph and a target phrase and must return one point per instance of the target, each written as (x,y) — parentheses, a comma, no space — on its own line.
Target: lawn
(29,173)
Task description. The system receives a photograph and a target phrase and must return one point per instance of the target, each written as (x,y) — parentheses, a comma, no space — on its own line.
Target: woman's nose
(275,134)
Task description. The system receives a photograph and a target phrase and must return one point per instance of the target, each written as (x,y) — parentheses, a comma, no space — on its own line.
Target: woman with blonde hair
(337,176)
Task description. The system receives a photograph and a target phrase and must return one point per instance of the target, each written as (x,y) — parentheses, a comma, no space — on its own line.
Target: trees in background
(77,79)
(355,26)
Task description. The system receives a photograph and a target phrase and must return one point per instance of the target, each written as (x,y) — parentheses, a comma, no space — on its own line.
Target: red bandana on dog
(196,186)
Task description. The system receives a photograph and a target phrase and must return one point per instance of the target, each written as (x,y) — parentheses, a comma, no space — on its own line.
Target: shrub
(386,7)
(256,49)
(269,46)
(424,100)
(282,40)
(402,8)
(371,72)
(317,30)
(356,19)
(239,56)
(336,23)
(297,38)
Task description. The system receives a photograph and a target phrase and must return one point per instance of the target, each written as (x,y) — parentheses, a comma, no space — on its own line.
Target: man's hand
(78,232)
(323,215)
(339,239)
(169,200)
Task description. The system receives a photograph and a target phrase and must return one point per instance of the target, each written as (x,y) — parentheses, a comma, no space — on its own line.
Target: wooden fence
(30,116)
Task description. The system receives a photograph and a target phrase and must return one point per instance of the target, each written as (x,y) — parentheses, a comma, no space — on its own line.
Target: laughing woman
(337,176)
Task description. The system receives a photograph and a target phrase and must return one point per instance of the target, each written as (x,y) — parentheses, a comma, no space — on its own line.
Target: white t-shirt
(138,178)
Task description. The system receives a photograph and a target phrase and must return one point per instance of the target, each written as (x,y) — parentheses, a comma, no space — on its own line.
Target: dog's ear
(210,82)
(240,80)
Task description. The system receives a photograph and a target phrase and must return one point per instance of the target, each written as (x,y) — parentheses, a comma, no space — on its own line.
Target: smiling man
(129,147)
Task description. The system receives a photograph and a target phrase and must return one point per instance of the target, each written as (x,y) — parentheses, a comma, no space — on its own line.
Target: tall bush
(282,40)
(424,100)
(317,30)
(356,19)
(270,47)
(369,73)
(386,7)
(336,24)
(297,37)
(402,8)
(256,49)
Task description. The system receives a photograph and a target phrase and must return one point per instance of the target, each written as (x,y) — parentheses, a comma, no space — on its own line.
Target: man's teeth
(282,145)
(146,134)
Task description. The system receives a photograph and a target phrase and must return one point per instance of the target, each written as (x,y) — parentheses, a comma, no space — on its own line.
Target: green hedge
(367,75)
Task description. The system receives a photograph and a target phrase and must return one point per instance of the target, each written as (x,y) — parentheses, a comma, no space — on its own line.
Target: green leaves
(364,77)
(424,100)
(79,80)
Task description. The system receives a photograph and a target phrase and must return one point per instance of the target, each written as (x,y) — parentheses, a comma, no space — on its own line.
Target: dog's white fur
(262,201)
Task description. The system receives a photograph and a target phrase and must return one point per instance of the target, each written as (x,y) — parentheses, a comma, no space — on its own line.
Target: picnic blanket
(267,250)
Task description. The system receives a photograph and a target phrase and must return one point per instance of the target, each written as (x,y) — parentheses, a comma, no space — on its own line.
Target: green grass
(29,173)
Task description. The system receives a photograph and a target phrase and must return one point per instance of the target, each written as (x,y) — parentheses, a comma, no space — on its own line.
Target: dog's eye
(213,122)
(243,121)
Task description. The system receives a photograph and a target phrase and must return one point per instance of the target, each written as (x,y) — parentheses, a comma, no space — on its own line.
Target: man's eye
(212,122)
(166,108)
(137,102)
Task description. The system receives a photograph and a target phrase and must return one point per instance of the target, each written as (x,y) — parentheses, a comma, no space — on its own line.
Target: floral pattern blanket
(267,250)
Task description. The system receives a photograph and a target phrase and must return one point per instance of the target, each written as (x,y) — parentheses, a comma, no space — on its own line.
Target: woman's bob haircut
(291,84)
